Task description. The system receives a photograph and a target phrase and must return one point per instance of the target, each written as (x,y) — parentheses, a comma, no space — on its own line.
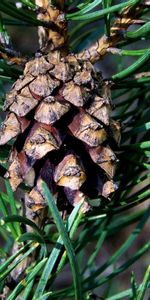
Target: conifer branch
(54,34)
(117,31)
(12,58)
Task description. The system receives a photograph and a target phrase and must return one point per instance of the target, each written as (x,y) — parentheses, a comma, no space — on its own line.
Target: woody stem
(120,25)
(54,35)
(12,57)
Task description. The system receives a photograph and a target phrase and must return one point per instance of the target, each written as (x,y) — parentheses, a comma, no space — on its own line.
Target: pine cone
(58,112)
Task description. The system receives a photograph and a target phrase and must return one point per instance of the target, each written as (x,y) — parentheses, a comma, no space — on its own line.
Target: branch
(10,55)
(120,25)
(12,58)
(6,48)
(54,34)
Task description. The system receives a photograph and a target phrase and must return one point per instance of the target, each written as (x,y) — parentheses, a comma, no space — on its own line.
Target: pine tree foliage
(34,256)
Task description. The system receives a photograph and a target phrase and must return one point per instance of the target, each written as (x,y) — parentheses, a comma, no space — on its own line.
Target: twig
(13,59)
(120,25)
(53,32)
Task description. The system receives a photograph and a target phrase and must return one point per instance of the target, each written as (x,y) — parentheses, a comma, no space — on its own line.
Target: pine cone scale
(50,110)
(12,127)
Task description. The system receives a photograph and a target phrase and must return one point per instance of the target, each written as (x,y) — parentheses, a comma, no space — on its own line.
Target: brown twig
(120,25)
(7,52)
(13,60)
(54,37)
